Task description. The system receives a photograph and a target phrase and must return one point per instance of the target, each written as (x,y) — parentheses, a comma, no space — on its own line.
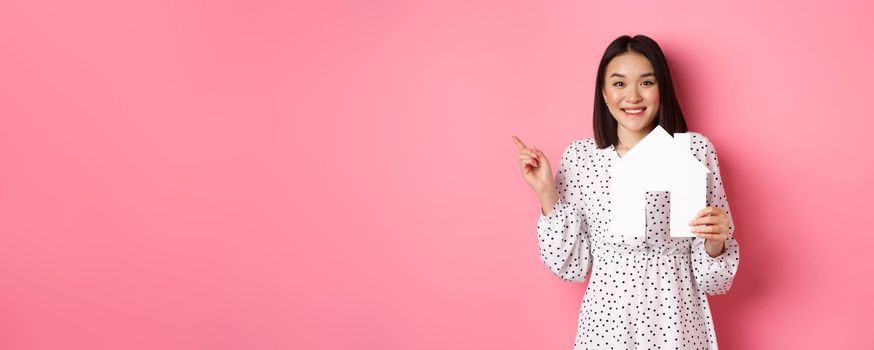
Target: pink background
(340,175)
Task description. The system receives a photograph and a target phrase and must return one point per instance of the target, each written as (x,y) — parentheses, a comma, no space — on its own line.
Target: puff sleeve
(714,275)
(563,233)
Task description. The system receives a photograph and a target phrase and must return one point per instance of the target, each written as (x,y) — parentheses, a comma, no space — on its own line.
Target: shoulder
(703,148)
(698,137)
(585,145)
(700,143)
(579,148)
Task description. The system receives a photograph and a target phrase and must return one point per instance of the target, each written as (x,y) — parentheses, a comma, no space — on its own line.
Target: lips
(634,111)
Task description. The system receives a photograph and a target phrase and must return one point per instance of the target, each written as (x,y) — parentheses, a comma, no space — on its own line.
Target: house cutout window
(658,162)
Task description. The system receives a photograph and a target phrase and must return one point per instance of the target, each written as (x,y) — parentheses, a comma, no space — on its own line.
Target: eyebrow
(650,74)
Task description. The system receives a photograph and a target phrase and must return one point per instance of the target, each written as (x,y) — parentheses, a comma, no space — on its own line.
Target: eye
(618,84)
(648,83)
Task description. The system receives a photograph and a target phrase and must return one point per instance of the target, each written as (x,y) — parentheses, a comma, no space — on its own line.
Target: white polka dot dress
(644,292)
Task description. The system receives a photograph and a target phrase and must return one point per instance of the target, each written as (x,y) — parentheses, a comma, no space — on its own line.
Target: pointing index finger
(519,143)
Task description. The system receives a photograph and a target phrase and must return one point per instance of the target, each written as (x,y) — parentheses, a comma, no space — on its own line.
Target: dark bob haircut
(669,116)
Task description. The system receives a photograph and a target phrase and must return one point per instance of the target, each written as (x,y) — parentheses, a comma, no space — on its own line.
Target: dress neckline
(614,154)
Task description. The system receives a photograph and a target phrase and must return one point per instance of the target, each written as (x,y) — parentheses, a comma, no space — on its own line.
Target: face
(631,92)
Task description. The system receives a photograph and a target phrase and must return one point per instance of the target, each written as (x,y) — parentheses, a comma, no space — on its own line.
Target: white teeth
(632,111)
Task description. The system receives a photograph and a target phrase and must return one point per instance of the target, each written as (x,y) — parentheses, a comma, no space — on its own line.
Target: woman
(644,292)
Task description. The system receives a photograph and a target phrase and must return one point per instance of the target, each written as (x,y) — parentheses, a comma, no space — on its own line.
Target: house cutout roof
(658,162)
(659,145)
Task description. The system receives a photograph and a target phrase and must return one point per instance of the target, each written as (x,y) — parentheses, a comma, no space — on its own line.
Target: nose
(633,96)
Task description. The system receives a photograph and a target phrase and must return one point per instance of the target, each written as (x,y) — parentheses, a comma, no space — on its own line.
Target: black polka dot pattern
(647,292)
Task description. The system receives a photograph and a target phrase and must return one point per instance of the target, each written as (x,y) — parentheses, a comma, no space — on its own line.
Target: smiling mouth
(634,112)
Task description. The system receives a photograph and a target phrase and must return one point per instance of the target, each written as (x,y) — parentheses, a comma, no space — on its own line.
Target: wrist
(549,195)
(548,200)
(714,249)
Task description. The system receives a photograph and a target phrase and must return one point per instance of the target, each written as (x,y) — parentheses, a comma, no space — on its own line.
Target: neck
(628,138)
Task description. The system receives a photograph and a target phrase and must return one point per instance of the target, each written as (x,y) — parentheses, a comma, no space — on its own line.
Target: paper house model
(659,162)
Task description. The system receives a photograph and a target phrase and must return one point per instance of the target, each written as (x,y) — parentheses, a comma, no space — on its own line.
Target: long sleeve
(714,275)
(563,233)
